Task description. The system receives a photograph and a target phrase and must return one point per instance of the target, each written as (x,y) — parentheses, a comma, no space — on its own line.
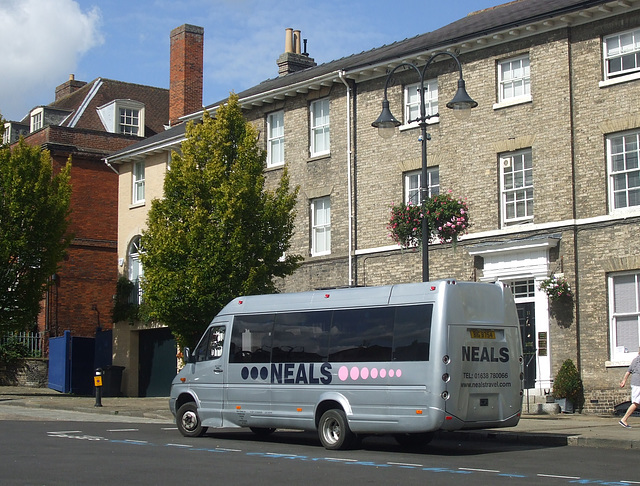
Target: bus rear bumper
(455,423)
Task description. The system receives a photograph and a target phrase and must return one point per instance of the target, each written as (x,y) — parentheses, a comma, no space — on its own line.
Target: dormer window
(123,116)
(36,119)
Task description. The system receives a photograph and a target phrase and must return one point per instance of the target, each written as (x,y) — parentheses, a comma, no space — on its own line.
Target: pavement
(582,430)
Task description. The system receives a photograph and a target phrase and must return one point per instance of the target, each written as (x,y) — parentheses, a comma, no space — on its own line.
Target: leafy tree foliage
(34,210)
(217,233)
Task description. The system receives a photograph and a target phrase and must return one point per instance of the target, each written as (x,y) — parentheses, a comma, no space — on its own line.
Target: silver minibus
(406,360)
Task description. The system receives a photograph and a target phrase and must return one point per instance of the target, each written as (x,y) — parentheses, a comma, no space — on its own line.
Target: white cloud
(42,41)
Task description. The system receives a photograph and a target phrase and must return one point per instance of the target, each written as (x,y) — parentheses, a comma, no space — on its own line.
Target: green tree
(34,210)
(217,233)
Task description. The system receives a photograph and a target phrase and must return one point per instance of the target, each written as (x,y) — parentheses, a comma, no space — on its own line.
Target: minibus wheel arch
(333,402)
(184,398)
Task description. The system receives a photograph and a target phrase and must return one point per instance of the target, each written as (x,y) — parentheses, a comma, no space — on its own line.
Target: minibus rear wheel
(334,431)
(188,421)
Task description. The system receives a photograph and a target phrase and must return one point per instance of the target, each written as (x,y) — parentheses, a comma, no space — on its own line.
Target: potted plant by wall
(567,387)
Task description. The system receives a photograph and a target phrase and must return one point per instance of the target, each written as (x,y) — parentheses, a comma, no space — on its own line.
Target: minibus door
(208,374)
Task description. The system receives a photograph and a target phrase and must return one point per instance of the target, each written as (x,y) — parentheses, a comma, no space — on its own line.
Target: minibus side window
(361,334)
(412,333)
(301,337)
(251,338)
(210,346)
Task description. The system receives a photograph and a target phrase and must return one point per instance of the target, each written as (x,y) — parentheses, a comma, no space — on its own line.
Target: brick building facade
(85,123)
(547,163)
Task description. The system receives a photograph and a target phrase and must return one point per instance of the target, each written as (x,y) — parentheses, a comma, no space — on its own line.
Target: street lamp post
(386,123)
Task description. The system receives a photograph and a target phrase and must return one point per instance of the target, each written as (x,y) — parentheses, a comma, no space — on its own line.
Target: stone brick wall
(32,372)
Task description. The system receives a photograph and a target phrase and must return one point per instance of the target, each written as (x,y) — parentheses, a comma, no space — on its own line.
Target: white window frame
(624,348)
(138,182)
(413,185)
(623,47)
(512,75)
(129,120)
(321,226)
(517,186)
(275,139)
(320,128)
(6,135)
(623,165)
(412,103)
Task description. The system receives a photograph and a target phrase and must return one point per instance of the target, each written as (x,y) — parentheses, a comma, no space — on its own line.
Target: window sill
(138,204)
(628,212)
(619,79)
(275,166)
(617,364)
(511,224)
(315,157)
(411,126)
(512,102)
(313,255)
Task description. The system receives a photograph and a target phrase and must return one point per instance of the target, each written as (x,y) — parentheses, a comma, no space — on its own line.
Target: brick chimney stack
(185,79)
(69,87)
(292,59)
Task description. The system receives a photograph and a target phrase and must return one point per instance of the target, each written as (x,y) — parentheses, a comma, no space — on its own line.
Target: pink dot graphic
(383,373)
(391,373)
(355,373)
(364,373)
(399,373)
(374,373)
(343,373)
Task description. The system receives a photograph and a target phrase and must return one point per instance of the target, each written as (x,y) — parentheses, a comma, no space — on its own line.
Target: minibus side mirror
(188,357)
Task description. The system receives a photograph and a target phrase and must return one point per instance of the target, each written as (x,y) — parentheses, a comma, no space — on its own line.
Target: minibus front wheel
(334,431)
(188,421)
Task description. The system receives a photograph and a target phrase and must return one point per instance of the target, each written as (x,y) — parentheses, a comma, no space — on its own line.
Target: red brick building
(87,122)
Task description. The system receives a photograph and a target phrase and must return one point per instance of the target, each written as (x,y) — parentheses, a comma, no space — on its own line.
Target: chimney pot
(296,40)
(288,40)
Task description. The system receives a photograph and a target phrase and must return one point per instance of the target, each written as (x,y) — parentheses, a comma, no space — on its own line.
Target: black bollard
(98,384)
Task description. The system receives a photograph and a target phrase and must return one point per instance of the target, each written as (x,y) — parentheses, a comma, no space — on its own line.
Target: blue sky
(43,41)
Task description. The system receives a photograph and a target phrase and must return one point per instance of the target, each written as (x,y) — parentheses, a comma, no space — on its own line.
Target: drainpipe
(349,209)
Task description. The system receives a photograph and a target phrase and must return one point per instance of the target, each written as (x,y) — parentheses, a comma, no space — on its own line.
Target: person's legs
(630,410)
(635,402)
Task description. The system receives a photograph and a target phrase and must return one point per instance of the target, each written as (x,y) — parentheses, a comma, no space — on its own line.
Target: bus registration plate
(483,333)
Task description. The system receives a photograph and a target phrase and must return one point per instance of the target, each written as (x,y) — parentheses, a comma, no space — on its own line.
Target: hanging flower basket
(557,288)
(405,225)
(448,218)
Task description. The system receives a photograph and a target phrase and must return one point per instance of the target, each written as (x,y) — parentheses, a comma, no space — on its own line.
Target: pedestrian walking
(634,372)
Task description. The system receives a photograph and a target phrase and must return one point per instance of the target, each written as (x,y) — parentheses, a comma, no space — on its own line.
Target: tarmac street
(561,429)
